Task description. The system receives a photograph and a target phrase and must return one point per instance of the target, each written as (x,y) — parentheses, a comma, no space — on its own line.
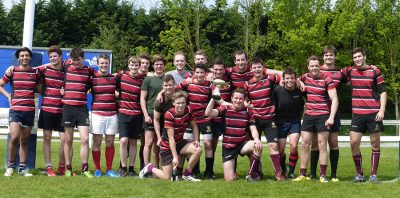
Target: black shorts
(25,118)
(149,127)
(314,124)
(336,125)
(129,126)
(50,121)
(287,128)
(73,116)
(166,154)
(229,154)
(204,128)
(271,131)
(363,122)
(217,128)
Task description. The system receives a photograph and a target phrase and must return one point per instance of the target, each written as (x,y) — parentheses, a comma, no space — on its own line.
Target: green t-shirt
(153,85)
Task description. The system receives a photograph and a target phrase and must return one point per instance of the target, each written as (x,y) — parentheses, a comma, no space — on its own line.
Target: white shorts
(104,124)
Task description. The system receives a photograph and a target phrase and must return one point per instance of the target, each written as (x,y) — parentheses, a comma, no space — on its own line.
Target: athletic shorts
(229,154)
(24,118)
(104,124)
(314,124)
(287,128)
(205,130)
(217,128)
(149,127)
(73,116)
(50,121)
(336,125)
(166,154)
(271,132)
(130,126)
(363,122)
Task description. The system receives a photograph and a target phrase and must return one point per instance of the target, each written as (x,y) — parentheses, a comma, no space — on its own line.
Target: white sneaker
(144,171)
(190,178)
(9,172)
(25,173)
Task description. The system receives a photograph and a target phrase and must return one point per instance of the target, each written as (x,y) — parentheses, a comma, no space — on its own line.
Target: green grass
(42,186)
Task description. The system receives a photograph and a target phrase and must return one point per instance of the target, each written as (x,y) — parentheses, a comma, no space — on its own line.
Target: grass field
(42,186)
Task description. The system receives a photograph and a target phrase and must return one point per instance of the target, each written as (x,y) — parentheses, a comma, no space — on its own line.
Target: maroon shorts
(166,154)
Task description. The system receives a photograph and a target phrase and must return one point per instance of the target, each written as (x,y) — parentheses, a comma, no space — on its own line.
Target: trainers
(279,177)
(301,178)
(9,172)
(50,172)
(111,173)
(250,178)
(373,179)
(190,178)
(144,171)
(210,176)
(313,176)
(25,173)
(60,170)
(359,178)
(87,174)
(323,179)
(68,173)
(97,173)
(132,173)
(122,173)
(290,176)
(335,179)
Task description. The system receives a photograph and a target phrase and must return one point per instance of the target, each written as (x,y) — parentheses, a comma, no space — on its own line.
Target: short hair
(179,53)
(168,78)
(241,91)
(144,56)
(133,59)
(179,94)
(103,56)
(358,49)
(218,61)
(312,58)
(157,58)
(257,61)
(330,49)
(76,53)
(239,52)
(200,52)
(23,49)
(289,71)
(200,66)
(54,48)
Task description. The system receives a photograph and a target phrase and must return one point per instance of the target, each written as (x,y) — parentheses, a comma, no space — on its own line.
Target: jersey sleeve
(168,120)
(252,121)
(221,110)
(8,75)
(146,84)
(380,82)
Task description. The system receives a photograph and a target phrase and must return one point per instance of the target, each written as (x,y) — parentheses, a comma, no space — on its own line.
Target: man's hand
(329,122)
(148,120)
(196,144)
(257,144)
(158,141)
(379,116)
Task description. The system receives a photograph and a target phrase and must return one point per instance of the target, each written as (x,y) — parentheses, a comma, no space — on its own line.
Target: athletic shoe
(97,173)
(132,174)
(335,179)
(50,172)
(323,179)
(9,172)
(301,178)
(250,178)
(61,170)
(373,179)
(179,178)
(68,173)
(87,174)
(144,171)
(279,177)
(313,177)
(190,178)
(290,176)
(111,173)
(359,178)
(122,173)
(25,173)
(210,176)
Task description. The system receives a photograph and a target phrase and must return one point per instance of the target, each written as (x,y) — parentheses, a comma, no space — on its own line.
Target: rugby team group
(168,111)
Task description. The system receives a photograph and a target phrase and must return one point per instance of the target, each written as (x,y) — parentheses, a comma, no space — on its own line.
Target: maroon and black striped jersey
(103,91)
(317,100)
(237,125)
(52,81)
(22,88)
(238,79)
(129,96)
(77,81)
(366,85)
(199,96)
(337,75)
(260,96)
(177,122)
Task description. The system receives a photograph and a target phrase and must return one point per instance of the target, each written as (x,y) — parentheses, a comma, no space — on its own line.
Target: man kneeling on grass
(235,140)
(176,120)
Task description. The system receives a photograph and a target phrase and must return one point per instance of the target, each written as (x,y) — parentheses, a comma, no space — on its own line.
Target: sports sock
(294,156)
(187,172)
(254,165)
(142,164)
(236,164)
(85,167)
(303,171)
(49,166)
(196,168)
(334,158)
(322,169)
(313,162)
(61,168)
(131,168)
(276,162)
(110,151)
(96,159)
(11,164)
(358,163)
(69,167)
(150,168)
(22,166)
(375,161)
(124,168)
(283,163)
(209,165)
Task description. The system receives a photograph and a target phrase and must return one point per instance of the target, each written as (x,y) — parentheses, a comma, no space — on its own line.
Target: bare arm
(334,106)
(4,92)
(172,146)
(143,98)
(157,127)
(255,135)
(273,72)
(195,133)
(381,112)
(210,112)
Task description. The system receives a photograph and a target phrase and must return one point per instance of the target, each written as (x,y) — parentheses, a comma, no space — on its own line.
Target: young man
(148,94)
(180,73)
(23,80)
(176,121)
(51,111)
(104,115)
(260,87)
(235,142)
(289,105)
(329,69)
(75,112)
(321,107)
(368,107)
(130,116)
(200,57)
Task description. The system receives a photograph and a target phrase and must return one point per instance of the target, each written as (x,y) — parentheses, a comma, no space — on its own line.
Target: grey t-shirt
(178,77)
